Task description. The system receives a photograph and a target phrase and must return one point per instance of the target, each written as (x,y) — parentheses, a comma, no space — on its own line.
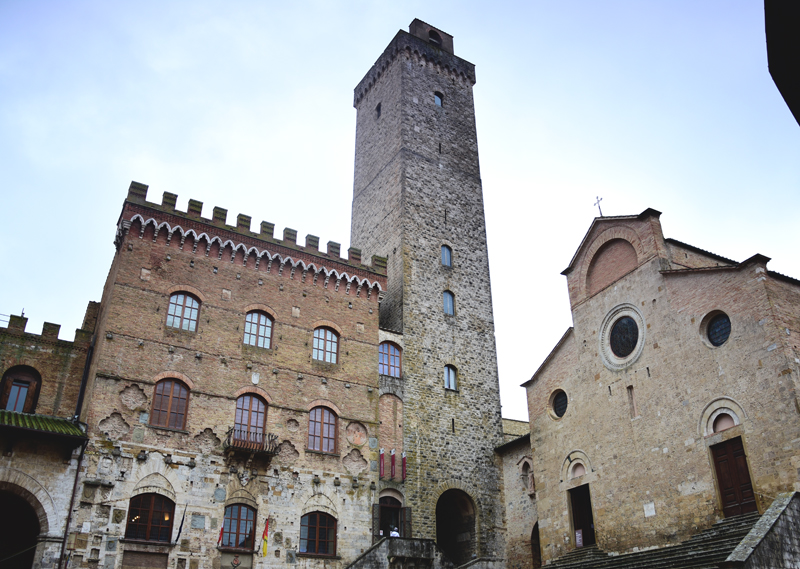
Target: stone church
(239,398)
(669,405)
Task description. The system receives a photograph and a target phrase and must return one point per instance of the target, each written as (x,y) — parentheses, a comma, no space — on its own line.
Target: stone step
(702,551)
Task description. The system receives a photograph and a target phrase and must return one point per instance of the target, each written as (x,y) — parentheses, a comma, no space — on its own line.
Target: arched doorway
(536,547)
(19,530)
(455,526)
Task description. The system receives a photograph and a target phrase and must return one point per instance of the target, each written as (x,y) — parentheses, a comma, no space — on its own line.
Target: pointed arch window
(251,416)
(183,312)
(389,360)
(170,403)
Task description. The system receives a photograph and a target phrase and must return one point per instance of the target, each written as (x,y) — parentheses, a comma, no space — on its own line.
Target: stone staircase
(706,550)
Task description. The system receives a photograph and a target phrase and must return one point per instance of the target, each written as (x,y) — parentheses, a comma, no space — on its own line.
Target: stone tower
(417,200)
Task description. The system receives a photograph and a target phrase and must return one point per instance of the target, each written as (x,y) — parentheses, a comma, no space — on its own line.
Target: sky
(248,106)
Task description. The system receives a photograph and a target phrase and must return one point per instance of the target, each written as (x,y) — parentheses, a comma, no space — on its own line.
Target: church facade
(672,401)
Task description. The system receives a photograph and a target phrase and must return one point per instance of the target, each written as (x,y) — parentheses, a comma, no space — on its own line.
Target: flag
(220,534)
(264,538)
(180,528)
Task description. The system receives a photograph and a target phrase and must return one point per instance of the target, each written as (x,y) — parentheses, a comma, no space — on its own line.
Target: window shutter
(376,522)
(405,522)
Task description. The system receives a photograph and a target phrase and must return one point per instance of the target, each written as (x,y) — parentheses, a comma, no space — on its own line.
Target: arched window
(183,312)
(438,99)
(434,38)
(251,415)
(19,390)
(450,376)
(318,534)
(447,256)
(170,403)
(449,300)
(322,430)
(258,330)
(150,518)
(389,360)
(326,345)
(240,527)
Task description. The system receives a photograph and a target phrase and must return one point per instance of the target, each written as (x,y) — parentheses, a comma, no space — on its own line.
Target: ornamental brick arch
(174,375)
(252,389)
(626,237)
(155,477)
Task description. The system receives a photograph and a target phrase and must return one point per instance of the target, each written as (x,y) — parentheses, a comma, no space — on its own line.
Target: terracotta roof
(41,423)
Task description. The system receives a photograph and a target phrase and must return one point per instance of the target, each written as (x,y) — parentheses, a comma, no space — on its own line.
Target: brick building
(41,390)
(672,401)
(243,385)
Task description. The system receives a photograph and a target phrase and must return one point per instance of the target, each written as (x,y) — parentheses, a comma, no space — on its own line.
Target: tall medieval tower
(417,200)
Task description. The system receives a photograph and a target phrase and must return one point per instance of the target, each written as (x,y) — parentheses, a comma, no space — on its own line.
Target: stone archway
(19,530)
(455,526)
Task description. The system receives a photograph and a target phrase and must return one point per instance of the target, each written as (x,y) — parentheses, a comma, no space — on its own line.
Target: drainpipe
(75,417)
(71,504)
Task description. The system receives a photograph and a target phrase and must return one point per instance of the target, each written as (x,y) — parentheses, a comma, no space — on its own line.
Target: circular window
(621,337)
(719,329)
(624,336)
(558,404)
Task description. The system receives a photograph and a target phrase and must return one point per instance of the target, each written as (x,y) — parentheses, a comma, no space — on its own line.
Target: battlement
(238,236)
(17,324)
(420,43)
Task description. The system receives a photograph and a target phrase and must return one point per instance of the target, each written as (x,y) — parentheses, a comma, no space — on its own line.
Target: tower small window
(434,38)
(450,377)
(449,301)
(438,98)
(378,111)
(447,256)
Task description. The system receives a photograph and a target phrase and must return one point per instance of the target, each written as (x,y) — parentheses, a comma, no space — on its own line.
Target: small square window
(450,377)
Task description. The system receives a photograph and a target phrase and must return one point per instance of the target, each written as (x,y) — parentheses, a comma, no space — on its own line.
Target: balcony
(244,441)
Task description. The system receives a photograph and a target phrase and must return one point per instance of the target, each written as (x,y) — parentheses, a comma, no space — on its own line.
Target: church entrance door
(733,478)
(455,526)
(19,528)
(582,519)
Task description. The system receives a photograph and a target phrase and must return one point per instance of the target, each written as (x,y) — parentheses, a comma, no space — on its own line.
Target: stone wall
(519,496)
(417,187)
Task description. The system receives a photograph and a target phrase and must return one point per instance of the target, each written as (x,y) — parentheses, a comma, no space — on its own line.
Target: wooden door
(733,478)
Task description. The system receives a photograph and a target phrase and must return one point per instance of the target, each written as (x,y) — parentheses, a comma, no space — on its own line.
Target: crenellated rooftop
(404,42)
(264,244)
(17,324)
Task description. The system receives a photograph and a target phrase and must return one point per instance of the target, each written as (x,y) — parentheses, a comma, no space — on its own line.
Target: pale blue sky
(248,106)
